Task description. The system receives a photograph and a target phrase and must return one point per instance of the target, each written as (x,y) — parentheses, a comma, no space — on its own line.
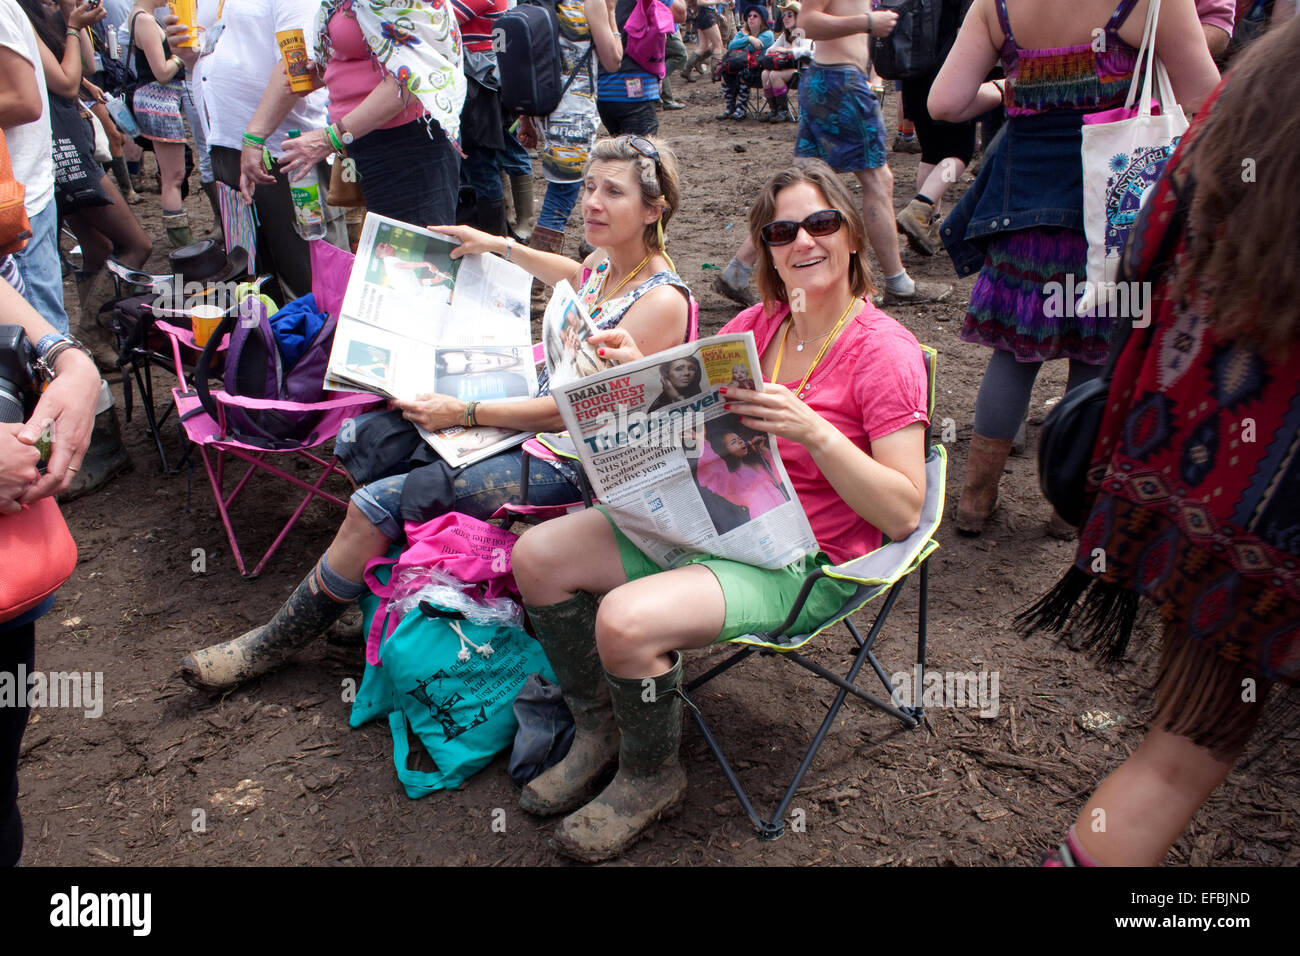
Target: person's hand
(83,15)
(251,172)
(616,346)
(527,133)
(67,409)
(883,22)
(471,240)
(432,411)
(304,152)
(777,410)
(177,33)
(17,467)
(94,91)
(281,77)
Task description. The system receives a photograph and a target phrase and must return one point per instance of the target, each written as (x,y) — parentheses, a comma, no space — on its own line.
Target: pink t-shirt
(1217,13)
(870,384)
(351,73)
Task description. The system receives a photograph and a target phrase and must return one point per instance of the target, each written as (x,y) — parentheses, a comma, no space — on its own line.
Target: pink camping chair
(212,434)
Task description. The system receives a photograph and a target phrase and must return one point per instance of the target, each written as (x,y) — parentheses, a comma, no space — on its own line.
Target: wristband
(252,140)
(868,23)
(333,138)
(180,66)
(470,419)
(509,242)
(48,342)
(73,33)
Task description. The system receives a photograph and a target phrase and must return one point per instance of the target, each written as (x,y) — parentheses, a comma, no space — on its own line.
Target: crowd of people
(408,96)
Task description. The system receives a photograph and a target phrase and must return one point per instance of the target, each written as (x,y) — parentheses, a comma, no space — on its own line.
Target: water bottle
(121,115)
(308,201)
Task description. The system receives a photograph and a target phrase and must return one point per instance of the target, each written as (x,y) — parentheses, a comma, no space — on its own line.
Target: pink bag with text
(470,550)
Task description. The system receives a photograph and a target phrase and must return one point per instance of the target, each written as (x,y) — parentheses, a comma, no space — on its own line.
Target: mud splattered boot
(177,227)
(305,616)
(650,784)
(567,632)
(979,497)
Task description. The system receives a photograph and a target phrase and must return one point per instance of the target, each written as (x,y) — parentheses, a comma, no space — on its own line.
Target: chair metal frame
(780,642)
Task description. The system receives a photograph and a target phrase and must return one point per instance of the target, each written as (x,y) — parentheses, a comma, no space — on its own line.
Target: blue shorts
(840,119)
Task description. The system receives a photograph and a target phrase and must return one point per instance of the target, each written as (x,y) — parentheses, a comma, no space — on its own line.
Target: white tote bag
(1124,152)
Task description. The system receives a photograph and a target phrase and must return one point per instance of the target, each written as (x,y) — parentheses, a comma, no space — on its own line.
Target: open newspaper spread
(415,321)
(679,475)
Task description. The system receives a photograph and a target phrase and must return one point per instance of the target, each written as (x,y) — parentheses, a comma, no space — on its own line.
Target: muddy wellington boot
(177,226)
(979,497)
(304,617)
(567,632)
(106,457)
(650,784)
(521,198)
(92,291)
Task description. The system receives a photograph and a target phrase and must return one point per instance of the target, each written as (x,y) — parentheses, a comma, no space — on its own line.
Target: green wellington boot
(650,784)
(304,617)
(567,632)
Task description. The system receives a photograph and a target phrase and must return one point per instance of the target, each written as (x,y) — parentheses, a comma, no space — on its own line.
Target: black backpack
(526,40)
(913,49)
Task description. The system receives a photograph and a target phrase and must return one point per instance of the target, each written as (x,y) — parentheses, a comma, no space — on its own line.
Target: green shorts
(757,599)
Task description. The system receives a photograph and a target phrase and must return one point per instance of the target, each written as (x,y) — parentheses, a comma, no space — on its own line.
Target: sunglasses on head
(644,147)
(825,222)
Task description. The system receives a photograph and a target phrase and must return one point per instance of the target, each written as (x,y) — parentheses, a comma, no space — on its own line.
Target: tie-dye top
(1071,77)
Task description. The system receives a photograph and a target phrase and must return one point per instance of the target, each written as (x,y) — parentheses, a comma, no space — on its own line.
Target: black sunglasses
(644,147)
(825,222)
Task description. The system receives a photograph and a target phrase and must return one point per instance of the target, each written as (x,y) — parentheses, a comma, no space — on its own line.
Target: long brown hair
(816,173)
(1243,238)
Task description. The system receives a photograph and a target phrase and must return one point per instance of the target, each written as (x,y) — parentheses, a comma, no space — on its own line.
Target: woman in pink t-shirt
(848,409)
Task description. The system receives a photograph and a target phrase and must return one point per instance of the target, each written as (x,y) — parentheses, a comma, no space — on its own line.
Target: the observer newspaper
(679,474)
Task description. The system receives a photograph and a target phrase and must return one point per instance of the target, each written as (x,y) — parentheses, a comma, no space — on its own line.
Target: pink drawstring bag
(646,32)
(469,550)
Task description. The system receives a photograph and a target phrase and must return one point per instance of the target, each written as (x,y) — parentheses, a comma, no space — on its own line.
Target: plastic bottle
(308,205)
(121,115)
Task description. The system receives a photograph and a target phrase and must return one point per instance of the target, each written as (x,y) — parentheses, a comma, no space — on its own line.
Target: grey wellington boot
(650,784)
(304,617)
(521,195)
(567,632)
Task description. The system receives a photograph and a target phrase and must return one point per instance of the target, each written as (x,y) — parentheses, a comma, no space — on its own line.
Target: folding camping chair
(141,345)
(205,414)
(883,571)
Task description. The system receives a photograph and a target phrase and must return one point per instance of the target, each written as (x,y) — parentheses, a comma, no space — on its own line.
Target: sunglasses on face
(784,231)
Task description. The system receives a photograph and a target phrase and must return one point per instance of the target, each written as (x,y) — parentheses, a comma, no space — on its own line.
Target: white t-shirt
(31,147)
(232,78)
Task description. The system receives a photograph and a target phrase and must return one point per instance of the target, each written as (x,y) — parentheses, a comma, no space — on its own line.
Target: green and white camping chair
(884,571)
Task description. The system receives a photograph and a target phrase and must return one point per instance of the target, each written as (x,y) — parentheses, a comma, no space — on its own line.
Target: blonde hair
(660,187)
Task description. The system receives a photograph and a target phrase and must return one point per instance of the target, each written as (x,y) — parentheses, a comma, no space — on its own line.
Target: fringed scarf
(417,43)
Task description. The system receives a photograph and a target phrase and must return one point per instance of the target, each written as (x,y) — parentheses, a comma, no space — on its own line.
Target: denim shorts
(410,173)
(478,490)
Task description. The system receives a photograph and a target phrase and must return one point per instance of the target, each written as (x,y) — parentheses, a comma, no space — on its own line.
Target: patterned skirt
(1024,299)
(157,108)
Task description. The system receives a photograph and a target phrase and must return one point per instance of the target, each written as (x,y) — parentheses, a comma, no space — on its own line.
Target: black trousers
(17,647)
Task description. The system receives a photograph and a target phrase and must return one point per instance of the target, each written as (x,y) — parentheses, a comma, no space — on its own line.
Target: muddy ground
(277,776)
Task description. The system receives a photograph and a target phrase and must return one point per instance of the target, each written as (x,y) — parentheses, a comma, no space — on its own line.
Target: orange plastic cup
(186,11)
(204,320)
(293,49)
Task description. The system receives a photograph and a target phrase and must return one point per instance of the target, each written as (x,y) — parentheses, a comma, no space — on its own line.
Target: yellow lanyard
(780,352)
(628,278)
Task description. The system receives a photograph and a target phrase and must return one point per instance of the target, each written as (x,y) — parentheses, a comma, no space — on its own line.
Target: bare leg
(118,232)
(356,544)
(171,166)
(640,623)
(932,181)
(878,211)
(554,561)
(1138,812)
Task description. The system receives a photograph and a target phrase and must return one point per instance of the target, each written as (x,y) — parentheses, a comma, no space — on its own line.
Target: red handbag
(37,554)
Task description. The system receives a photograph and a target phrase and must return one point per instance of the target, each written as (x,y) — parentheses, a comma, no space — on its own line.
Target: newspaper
(679,475)
(565,328)
(415,321)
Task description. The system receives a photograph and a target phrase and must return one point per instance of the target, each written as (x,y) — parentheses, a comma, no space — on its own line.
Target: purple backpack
(255,368)
(645,35)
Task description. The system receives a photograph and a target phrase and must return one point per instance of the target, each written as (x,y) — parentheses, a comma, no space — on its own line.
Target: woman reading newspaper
(847,403)
(627,283)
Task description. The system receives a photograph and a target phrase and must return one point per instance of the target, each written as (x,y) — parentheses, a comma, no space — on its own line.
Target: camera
(19,376)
